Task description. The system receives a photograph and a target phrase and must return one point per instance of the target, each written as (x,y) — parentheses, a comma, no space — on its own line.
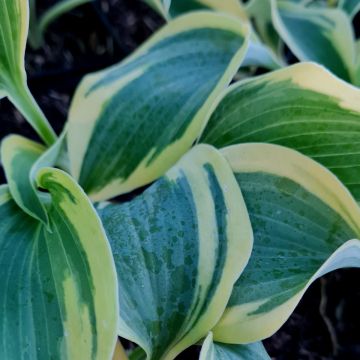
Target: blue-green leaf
(178,249)
(302,107)
(130,123)
(316,34)
(305,224)
(58,297)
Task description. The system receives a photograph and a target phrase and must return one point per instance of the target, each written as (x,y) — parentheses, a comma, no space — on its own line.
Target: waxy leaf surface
(305,224)
(178,249)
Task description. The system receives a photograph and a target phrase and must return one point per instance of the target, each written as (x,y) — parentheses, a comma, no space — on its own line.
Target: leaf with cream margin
(305,225)
(258,54)
(303,107)
(130,123)
(13,34)
(316,34)
(219,351)
(59,288)
(178,249)
(22,159)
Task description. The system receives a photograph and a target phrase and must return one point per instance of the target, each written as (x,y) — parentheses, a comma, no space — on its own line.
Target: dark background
(326,324)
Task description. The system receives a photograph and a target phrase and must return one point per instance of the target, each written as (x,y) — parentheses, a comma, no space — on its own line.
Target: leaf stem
(22,98)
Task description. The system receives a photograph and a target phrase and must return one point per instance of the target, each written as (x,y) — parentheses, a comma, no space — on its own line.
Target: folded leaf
(58,297)
(22,159)
(178,249)
(130,123)
(13,34)
(220,351)
(18,155)
(317,34)
(305,222)
(302,107)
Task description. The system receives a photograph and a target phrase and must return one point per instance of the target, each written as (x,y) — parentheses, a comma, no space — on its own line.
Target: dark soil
(326,324)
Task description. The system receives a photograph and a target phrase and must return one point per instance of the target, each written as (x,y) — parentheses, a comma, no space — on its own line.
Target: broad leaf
(219,351)
(13,34)
(305,222)
(178,249)
(303,107)
(58,298)
(317,34)
(130,123)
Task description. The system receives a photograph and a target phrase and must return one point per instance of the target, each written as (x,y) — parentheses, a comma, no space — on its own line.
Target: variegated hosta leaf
(58,297)
(317,34)
(258,54)
(305,224)
(18,155)
(14,22)
(178,249)
(302,107)
(351,7)
(130,123)
(219,351)
(22,159)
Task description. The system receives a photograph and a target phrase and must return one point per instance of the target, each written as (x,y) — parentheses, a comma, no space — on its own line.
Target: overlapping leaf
(13,34)
(130,123)
(305,224)
(58,298)
(302,107)
(178,248)
(219,351)
(317,34)
(258,54)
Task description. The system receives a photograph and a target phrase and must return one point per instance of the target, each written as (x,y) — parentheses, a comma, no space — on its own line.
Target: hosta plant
(314,30)
(245,195)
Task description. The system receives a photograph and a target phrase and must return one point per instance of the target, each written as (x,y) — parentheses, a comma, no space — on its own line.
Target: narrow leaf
(305,224)
(130,123)
(302,107)
(317,34)
(219,351)
(177,264)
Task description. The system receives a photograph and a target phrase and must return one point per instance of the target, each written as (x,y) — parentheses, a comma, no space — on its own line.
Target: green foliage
(254,186)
